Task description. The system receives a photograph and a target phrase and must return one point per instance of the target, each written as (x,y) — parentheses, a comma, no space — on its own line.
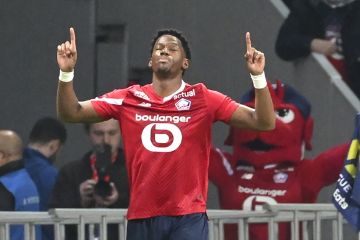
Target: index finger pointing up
(248,41)
(72,39)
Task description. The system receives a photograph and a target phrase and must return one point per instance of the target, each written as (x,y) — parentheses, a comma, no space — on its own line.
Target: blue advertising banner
(346,196)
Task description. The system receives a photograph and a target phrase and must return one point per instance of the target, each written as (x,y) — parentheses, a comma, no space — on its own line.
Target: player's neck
(166,87)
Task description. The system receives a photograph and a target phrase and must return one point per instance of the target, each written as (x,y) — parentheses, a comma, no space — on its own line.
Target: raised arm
(263,116)
(69,109)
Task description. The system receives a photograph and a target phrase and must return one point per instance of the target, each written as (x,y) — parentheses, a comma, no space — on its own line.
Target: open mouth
(258,145)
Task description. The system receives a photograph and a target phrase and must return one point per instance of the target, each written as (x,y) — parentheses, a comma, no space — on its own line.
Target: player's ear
(150,63)
(186,64)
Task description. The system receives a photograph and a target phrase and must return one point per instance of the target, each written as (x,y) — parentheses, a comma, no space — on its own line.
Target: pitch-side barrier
(310,217)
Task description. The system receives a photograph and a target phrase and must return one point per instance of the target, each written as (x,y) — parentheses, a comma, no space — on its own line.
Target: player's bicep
(87,112)
(243,117)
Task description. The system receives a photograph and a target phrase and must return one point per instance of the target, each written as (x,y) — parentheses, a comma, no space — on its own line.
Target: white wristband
(66,76)
(259,81)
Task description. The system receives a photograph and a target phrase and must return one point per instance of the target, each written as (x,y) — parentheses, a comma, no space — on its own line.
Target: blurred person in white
(329,27)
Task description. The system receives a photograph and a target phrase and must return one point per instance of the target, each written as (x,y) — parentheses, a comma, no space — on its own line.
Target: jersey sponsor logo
(142,95)
(161,137)
(161,118)
(185,94)
(183,104)
(256,202)
(260,191)
(280,177)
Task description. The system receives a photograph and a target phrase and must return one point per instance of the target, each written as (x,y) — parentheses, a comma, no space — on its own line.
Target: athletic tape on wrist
(259,81)
(66,76)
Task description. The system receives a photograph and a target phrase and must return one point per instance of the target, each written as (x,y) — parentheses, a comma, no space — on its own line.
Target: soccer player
(166,130)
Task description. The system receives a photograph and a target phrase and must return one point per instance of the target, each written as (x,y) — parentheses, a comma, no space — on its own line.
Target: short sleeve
(221,105)
(109,104)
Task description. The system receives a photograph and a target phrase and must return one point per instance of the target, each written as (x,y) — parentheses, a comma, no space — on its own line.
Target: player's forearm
(264,110)
(68,107)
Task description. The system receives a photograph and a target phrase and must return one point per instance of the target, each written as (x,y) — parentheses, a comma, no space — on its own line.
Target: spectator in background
(329,27)
(17,191)
(77,180)
(46,139)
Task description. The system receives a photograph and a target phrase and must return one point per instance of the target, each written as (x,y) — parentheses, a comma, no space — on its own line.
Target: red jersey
(167,145)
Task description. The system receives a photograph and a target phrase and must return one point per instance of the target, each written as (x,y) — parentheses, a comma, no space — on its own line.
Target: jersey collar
(180,89)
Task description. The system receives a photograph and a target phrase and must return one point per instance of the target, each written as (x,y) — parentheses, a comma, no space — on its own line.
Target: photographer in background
(98,180)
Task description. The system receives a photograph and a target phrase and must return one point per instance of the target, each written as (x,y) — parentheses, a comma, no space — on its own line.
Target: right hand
(87,189)
(326,47)
(66,53)
(255,60)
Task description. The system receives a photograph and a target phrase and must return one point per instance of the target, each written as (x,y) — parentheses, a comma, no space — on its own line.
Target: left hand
(255,60)
(109,200)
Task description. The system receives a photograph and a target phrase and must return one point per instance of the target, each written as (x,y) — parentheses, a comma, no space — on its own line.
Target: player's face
(168,56)
(107,132)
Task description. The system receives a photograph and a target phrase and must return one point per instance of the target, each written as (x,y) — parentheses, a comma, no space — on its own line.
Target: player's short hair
(173,32)
(47,129)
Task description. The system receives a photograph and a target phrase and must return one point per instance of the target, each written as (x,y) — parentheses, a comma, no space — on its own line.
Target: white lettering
(161,118)
(340,199)
(259,191)
(185,94)
(344,183)
(31,200)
